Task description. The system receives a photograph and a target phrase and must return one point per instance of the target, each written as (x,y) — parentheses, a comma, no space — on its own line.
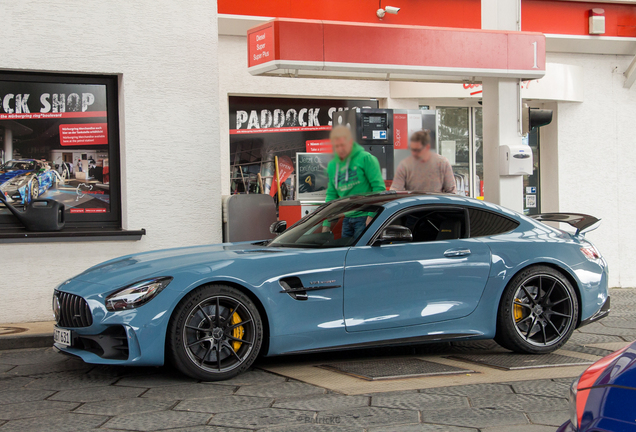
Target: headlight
(574,419)
(137,294)
(56,307)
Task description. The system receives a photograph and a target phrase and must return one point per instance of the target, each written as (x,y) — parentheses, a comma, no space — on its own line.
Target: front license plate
(62,337)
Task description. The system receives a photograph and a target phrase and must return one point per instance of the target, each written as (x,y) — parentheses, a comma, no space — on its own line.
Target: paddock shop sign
(250,115)
(25,100)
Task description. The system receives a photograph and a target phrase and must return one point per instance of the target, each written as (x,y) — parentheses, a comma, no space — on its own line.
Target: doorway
(460,140)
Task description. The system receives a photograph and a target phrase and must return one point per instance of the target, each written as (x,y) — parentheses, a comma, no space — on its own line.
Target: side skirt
(391,342)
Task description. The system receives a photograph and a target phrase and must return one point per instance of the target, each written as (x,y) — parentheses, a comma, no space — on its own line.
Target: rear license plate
(62,337)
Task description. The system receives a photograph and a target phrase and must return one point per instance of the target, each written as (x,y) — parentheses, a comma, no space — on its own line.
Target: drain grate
(392,368)
(512,361)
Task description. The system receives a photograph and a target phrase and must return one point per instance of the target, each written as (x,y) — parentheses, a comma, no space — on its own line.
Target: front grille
(74,311)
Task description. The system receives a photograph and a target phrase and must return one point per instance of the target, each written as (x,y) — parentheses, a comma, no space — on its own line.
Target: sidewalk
(26,335)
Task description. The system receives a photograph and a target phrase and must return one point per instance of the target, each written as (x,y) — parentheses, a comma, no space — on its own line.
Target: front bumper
(12,194)
(129,337)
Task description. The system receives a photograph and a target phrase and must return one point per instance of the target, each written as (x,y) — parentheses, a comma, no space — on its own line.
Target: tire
(34,190)
(197,334)
(538,311)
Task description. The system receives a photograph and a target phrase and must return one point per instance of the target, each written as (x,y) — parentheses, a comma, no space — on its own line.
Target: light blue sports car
(420,268)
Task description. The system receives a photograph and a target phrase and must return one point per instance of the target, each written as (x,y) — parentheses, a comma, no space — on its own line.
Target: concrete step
(26,335)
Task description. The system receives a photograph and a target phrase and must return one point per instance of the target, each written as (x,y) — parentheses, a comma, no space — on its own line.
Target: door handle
(457,253)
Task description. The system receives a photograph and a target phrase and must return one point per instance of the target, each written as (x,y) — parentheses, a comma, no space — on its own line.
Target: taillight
(591,252)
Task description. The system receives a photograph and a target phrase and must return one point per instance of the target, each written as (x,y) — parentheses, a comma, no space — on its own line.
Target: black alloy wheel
(538,311)
(215,333)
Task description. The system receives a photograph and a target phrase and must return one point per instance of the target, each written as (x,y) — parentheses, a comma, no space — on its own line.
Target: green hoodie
(358,173)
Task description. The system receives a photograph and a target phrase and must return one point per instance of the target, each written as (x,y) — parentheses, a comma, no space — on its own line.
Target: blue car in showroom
(602,398)
(424,268)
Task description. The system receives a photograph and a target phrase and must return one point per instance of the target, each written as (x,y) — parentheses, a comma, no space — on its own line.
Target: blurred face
(342,145)
(419,151)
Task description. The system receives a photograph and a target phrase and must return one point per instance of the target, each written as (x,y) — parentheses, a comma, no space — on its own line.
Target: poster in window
(55,145)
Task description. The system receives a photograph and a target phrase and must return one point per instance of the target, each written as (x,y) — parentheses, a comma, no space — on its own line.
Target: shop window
(60,141)
(263,129)
(484,223)
(460,141)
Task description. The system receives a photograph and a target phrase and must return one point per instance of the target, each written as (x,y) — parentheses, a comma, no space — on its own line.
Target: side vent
(294,287)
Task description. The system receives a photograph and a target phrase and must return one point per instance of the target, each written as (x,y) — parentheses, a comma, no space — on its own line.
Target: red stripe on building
(28,116)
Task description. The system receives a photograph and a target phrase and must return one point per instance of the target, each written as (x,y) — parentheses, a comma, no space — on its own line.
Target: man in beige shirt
(424,170)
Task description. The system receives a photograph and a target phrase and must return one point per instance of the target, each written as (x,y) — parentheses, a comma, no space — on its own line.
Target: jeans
(353,226)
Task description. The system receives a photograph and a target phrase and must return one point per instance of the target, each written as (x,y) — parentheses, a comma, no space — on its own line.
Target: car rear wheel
(215,333)
(538,311)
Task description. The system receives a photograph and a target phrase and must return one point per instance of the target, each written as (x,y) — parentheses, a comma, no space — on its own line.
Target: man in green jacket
(352,171)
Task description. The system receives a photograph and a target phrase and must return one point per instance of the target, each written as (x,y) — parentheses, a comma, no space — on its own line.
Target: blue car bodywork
(604,400)
(372,297)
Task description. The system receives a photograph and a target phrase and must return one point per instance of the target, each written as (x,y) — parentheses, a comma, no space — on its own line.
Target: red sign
(285,168)
(381,49)
(261,46)
(51,115)
(318,146)
(83,134)
(400,131)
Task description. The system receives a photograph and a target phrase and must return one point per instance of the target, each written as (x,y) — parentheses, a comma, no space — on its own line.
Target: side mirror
(393,234)
(278,227)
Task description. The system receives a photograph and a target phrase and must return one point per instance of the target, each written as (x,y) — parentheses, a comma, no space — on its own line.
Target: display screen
(56,145)
(375,119)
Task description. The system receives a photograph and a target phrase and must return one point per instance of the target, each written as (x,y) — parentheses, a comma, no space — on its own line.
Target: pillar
(501,99)
(8,144)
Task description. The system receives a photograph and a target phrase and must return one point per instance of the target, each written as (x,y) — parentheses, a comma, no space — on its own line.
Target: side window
(434,224)
(485,223)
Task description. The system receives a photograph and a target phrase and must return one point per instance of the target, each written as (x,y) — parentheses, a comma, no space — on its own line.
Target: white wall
(235,80)
(597,158)
(165,52)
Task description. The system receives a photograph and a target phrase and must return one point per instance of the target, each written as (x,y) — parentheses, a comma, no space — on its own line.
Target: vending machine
(372,129)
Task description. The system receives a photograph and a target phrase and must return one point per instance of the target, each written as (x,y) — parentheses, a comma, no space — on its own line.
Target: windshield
(18,165)
(339,224)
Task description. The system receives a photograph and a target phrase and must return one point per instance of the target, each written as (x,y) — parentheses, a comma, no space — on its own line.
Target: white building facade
(177,65)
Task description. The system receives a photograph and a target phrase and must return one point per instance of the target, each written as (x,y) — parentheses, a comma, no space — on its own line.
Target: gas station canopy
(329,49)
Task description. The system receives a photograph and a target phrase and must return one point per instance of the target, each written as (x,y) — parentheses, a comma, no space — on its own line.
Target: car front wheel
(215,333)
(34,189)
(538,311)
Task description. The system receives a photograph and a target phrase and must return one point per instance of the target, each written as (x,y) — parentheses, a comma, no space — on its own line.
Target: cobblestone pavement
(44,391)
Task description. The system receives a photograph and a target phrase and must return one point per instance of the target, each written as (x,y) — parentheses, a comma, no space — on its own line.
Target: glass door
(454,138)
(461,141)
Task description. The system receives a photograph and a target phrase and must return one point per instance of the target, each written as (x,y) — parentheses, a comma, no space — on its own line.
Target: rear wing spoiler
(582,222)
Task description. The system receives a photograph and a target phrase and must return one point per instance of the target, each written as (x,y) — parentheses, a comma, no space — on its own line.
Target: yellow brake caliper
(238,332)
(518,310)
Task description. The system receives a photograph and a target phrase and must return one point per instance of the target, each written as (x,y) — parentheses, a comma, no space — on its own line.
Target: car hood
(168,262)
(5,176)
(622,371)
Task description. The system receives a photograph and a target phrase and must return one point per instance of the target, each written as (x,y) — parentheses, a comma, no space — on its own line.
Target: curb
(26,341)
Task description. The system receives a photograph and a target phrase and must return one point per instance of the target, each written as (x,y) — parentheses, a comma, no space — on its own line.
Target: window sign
(312,175)
(60,142)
